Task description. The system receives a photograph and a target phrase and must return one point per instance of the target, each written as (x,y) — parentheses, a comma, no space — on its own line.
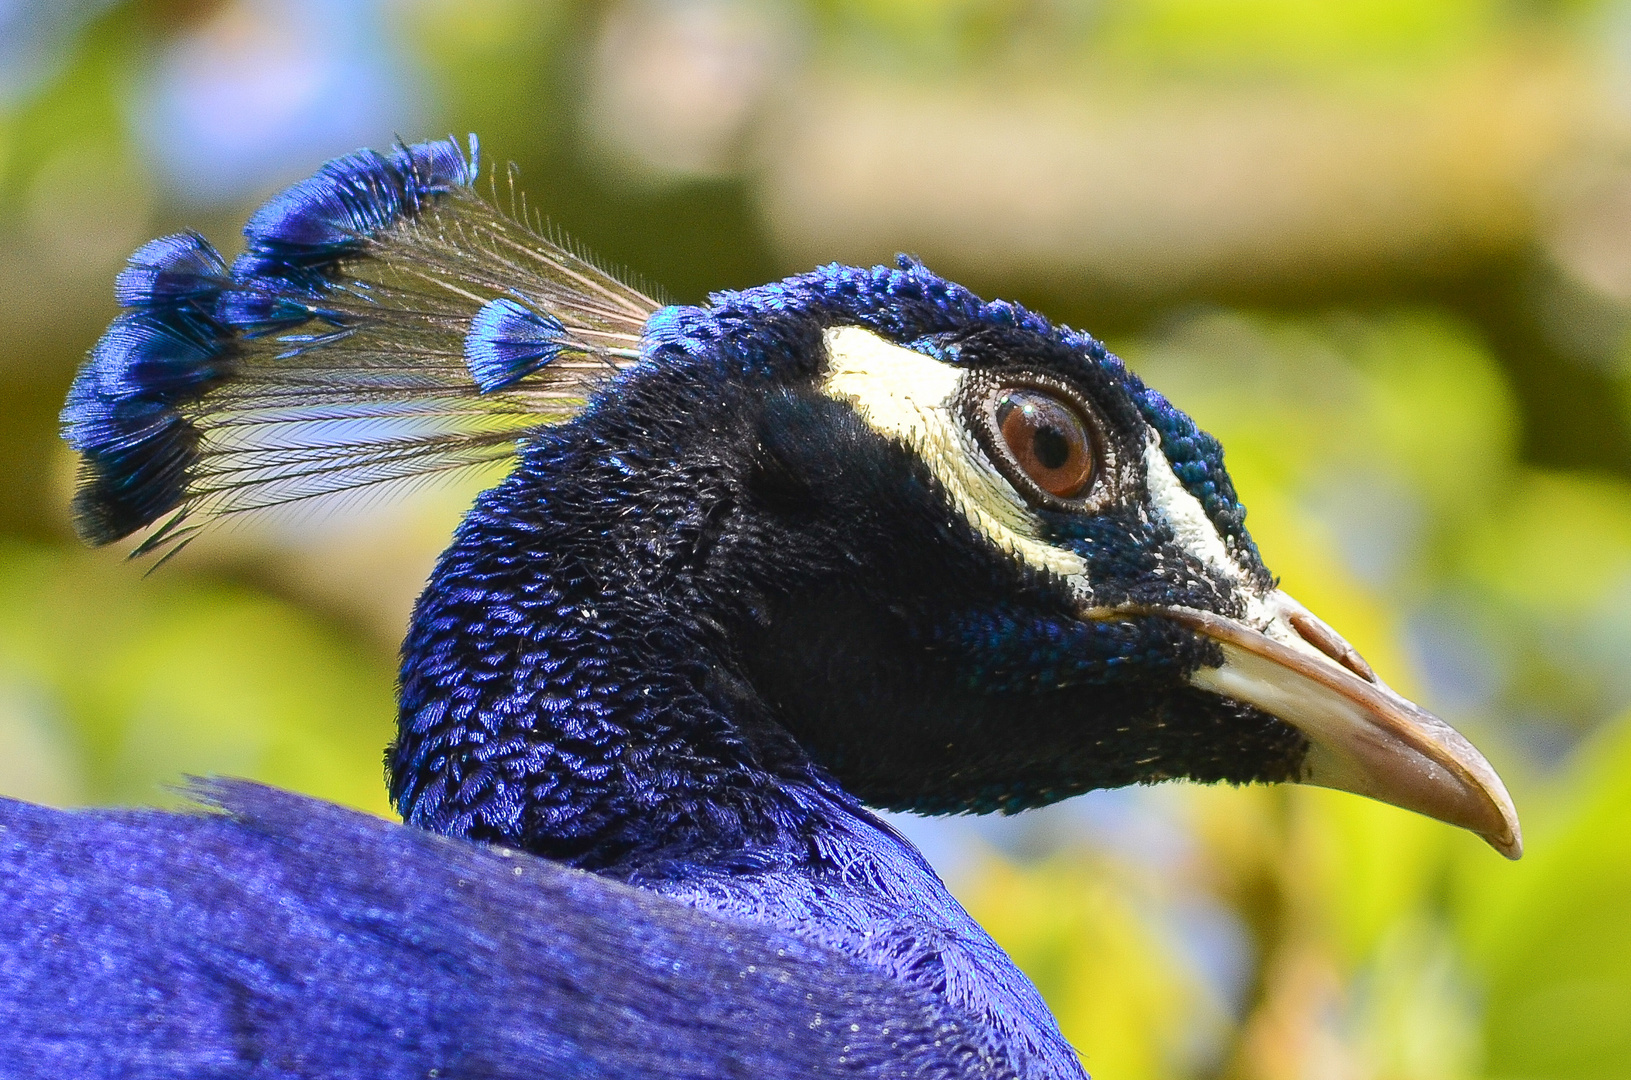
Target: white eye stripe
(911,397)
(1184,513)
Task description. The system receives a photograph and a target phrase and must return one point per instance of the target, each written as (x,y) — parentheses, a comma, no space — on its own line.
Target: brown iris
(1048,439)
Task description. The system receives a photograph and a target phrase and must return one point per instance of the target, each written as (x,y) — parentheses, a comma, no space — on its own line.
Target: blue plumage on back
(287,937)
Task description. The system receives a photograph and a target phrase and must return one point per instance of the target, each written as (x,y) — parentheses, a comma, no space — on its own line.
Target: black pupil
(1051,447)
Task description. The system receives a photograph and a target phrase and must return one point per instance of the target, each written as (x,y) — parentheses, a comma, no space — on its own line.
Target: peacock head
(973,563)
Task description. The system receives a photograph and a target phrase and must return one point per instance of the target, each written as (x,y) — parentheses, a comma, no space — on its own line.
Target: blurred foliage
(1433,441)
(114,688)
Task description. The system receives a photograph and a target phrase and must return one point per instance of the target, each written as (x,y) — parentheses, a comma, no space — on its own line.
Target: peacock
(854,540)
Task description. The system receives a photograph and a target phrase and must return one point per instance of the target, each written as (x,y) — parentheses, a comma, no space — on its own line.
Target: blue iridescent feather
(302,233)
(506,343)
(183,269)
(259,307)
(121,413)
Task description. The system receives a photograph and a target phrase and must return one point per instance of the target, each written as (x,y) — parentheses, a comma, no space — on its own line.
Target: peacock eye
(1047,439)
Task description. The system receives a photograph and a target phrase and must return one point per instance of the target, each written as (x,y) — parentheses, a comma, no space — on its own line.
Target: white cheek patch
(907,396)
(1183,512)
(1196,534)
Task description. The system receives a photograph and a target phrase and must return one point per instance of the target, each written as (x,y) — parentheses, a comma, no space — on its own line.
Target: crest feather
(385,322)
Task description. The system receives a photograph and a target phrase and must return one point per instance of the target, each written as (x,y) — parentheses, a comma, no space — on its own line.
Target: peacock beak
(1363,737)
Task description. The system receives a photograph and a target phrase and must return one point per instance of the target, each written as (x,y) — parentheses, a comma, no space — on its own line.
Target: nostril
(1327,641)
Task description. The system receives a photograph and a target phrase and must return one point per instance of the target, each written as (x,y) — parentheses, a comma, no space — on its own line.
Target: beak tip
(1509,843)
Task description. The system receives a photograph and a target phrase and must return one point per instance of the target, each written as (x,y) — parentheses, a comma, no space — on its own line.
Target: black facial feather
(796,591)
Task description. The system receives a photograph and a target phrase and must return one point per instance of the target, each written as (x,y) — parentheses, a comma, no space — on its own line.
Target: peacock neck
(569,683)
(571,687)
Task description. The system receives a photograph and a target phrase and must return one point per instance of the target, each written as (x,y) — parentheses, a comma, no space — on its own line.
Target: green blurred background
(1382,248)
